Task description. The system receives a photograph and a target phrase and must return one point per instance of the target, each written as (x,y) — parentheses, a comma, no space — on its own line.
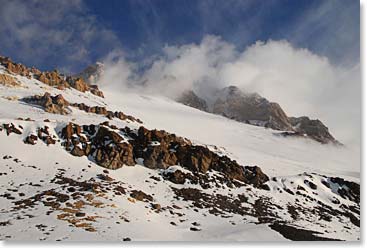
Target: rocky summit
(251,108)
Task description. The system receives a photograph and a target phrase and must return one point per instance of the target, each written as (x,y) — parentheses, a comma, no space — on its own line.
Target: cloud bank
(301,81)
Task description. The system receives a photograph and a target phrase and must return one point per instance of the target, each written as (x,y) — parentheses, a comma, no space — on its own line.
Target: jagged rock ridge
(253,109)
(53,78)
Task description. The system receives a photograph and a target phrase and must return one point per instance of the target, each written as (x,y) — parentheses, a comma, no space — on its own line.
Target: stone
(141,196)
(31,139)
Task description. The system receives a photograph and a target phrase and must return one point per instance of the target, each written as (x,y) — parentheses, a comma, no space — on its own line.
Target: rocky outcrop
(189,98)
(31,139)
(9,81)
(52,104)
(16,68)
(112,148)
(314,129)
(53,78)
(42,134)
(58,105)
(103,111)
(250,108)
(104,145)
(11,128)
(161,150)
(253,109)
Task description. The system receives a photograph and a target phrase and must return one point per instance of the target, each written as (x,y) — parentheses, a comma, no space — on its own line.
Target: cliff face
(251,108)
(314,129)
(189,98)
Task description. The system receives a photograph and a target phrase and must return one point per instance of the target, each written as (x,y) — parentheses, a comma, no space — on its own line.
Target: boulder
(52,104)
(141,196)
(105,145)
(31,139)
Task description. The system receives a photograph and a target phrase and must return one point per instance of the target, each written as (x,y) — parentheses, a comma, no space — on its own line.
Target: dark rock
(141,196)
(105,146)
(79,214)
(314,129)
(52,104)
(31,139)
(189,98)
(310,184)
(156,206)
(77,151)
(250,108)
(10,128)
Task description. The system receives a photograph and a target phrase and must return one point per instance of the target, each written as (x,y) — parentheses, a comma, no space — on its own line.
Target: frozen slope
(249,145)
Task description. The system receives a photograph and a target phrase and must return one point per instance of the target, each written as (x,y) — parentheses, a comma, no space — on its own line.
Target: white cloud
(302,82)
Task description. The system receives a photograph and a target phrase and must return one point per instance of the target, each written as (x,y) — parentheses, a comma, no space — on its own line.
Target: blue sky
(71,34)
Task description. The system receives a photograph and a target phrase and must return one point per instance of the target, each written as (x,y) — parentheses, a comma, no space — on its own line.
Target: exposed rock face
(42,134)
(314,129)
(77,83)
(189,98)
(161,150)
(53,78)
(15,68)
(11,128)
(347,189)
(92,73)
(250,108)
(109,148)
(9,81)
(52,104)
(141,196)
(104,145)
(103,111)
(253,109)
(31,139)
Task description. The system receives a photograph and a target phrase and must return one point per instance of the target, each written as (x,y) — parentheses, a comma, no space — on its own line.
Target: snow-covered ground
(249,145)
(28,170)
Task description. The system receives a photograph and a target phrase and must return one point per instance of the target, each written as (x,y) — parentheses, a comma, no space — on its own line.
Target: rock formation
(250,108)
(52,104)
(53,78)
(9,81)
(189,98)
(109,148)
(253,109)
(314,129)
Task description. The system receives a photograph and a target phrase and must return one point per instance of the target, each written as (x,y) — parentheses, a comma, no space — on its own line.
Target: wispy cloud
(303,82)
(58,33)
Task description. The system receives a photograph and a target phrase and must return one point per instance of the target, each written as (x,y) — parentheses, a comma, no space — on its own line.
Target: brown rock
(31,139)
(141,196)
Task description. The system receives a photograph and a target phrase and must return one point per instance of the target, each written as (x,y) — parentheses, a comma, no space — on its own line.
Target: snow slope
(36,177)
(249,145)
